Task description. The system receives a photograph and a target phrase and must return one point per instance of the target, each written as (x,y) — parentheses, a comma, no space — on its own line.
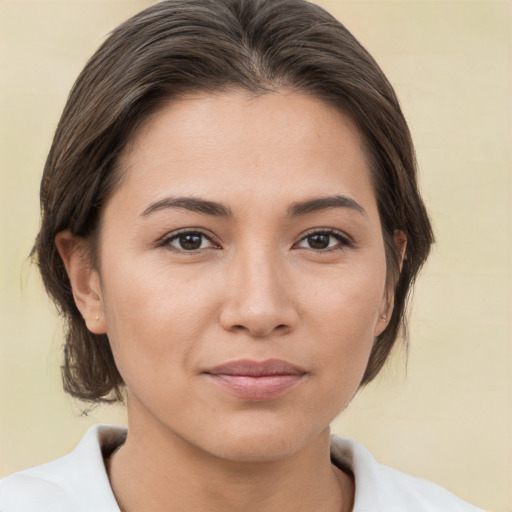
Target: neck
(156,470)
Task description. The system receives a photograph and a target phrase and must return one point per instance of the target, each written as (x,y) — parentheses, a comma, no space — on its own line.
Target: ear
(84,279)
(387,303)
(401,244)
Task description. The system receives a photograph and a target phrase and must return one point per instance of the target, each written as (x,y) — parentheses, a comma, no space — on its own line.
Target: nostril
(259,320)
(259,331)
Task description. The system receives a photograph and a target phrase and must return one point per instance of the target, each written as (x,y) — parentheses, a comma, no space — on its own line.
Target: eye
(324,240)
(188,241)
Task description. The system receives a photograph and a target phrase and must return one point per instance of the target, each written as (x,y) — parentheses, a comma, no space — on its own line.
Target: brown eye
(319,241)
(188,241)
(323,241)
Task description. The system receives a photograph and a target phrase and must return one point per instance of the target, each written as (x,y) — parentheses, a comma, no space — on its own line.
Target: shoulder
(382,488)
(31,490)
(77,481)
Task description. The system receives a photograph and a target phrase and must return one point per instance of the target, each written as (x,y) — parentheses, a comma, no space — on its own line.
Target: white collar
(79,481)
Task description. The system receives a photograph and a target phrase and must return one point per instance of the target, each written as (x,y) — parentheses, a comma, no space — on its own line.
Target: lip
(256,380)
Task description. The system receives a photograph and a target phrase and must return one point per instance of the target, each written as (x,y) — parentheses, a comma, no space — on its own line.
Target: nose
(258,297)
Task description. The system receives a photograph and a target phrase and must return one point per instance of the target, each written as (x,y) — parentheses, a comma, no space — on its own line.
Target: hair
(177,47)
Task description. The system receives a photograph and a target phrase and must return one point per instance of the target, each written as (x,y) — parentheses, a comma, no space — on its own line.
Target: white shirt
(78,482)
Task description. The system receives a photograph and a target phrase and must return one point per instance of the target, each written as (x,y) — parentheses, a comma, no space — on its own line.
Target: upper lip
(249,368)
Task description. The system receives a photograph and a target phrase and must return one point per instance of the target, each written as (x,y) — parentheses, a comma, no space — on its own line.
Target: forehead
(235,144)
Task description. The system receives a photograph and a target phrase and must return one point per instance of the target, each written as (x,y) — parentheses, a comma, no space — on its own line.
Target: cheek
(153,318)
(349,298)
(344,314)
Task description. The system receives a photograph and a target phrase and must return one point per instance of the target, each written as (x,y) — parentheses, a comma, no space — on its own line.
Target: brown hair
(182,46)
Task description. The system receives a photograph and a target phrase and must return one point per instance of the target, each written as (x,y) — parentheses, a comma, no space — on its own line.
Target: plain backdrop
(444,412)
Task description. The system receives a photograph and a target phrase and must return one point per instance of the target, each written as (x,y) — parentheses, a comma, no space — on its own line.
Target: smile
(253,380)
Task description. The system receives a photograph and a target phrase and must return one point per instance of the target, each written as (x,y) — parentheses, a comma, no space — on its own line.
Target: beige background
(448,418)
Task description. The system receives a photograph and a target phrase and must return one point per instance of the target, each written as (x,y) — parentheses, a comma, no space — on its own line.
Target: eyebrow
(192,204)
(324,203)
(216,209)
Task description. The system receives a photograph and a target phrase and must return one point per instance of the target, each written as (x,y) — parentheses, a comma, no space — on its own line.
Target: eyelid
(165,240)
(344,239)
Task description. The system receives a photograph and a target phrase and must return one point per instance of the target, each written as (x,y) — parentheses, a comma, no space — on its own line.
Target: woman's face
(242,272)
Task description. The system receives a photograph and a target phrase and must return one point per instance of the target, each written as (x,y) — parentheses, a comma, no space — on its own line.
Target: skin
(259,287)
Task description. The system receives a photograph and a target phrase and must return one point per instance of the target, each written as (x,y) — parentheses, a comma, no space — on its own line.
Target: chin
(256,449)
(259,442)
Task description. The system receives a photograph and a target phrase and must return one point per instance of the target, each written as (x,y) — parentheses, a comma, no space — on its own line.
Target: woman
(231,226)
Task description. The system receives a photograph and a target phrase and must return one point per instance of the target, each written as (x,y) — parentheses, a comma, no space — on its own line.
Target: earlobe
(84,279)
(382,323)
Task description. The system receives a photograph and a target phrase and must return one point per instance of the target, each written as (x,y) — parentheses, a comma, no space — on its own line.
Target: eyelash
(344,240)
(166,241)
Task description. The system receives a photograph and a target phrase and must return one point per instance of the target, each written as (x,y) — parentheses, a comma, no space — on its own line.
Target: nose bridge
(259,284)
(257,297)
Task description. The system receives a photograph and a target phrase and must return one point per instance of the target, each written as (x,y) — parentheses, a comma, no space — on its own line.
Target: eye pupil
(190,242)
(319,241)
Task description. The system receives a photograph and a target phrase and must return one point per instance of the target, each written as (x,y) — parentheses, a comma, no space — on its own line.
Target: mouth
(256,380)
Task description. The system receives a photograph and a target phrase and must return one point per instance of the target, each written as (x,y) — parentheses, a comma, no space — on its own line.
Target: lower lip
(256,388)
